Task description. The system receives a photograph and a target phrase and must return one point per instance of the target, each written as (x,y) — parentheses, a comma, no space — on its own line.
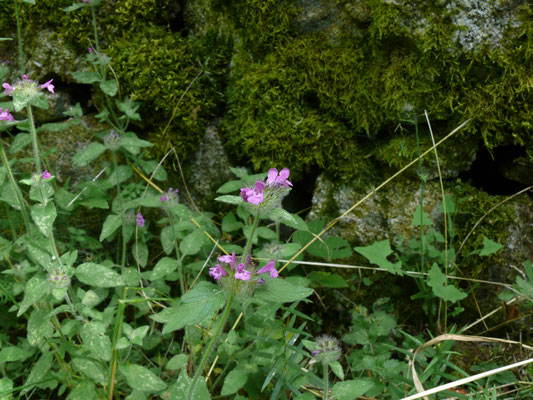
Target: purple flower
(217,272)
(48,85)
(9,89)
(90,50)
(5,115)
(242,273)
(270,268)
(229,259)
(275,179)
(170,195)
(255,195)
(46,175)
(140,220)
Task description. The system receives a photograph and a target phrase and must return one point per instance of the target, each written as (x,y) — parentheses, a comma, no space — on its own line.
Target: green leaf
(84,157)
(377,253)
(437,280)
(86,77)
(20,141)
(230,186)
(291,220)
(168,239)
(6,388)
(327,279)
(336,367)
(230,223)
(489,247)
(119,175)
(12,353)
(93,335)
(140,252)
(111,224)
(230,199)
(163,267)
(235,379)
(180,390)
(91,369)
(44,217)
(281,291)
(142,379)
(420,218)
(129,108)
(177,362)
(36,288)
(351,390)
(38,371)
(192,243)
(39,327)
(85,390)
(98,275)
(109,87)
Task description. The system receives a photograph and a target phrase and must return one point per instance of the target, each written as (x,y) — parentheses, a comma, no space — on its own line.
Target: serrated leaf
(230,199)
(351,390)
(377,253)
(84,157)
(489,247)
(111,224)
(336,367)
(436,280)
(281,291)
(180,390)
(109,87)
(192,243)
(235,379)
(177,362)
(35,289)
(93,335)
(142,379)
(291,220)
(420,218)
(84,390)
(98,275)
(21,140)
(44,217)
(90,368)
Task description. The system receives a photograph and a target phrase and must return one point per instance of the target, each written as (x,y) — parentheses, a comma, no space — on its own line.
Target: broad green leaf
(168,239)
(91,369)
(180,390)
(38,372)
(377,253)
(139,250)
(230,186)
(351,390)
(111,224)
(84,157)
(230,223)
(44,217)
(129,108)
(336,367)
(235,379)
(93,335)
(437,281)
(35,289)
(119,175)
(327,279)
(39,327)
(98,275)
(163,267)
(142,379)
(420,218)
(109,87)
(84,390)
(6,387)
(279,290)
(489,247)
(12,353)
(230,199)
(291,220)
(21,140)
(192,243)
(86,77)
(177,362)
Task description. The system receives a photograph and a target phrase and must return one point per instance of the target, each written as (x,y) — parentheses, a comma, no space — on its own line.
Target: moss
(177,79)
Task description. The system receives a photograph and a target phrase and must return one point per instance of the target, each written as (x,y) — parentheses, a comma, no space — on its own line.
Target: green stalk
(119,193)
(176,249)
(249,242)
(16,189)
(19,38)
(35,142)
(210,346)
(422,261)
(114,353)
(326,388)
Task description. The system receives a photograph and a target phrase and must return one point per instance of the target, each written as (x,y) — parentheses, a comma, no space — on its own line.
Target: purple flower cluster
(171,195)
(271,191)
(26,83)
(242,271)
(5,115)
(140,220)
(46,175)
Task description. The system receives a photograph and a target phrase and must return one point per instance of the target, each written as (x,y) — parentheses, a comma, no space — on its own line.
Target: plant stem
(19,38)
(210,346)
(422,261)
(326,388)
(249,241)
(119,194)
(35,142)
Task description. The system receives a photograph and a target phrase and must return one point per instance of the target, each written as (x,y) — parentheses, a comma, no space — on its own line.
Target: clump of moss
(177,79)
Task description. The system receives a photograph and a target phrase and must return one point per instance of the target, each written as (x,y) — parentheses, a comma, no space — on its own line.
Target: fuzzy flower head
(46,175)
(268,195)
(112,141)
(5,115)
(170,197)
(58,278)
(25,90)
(327,349)
(240,276)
